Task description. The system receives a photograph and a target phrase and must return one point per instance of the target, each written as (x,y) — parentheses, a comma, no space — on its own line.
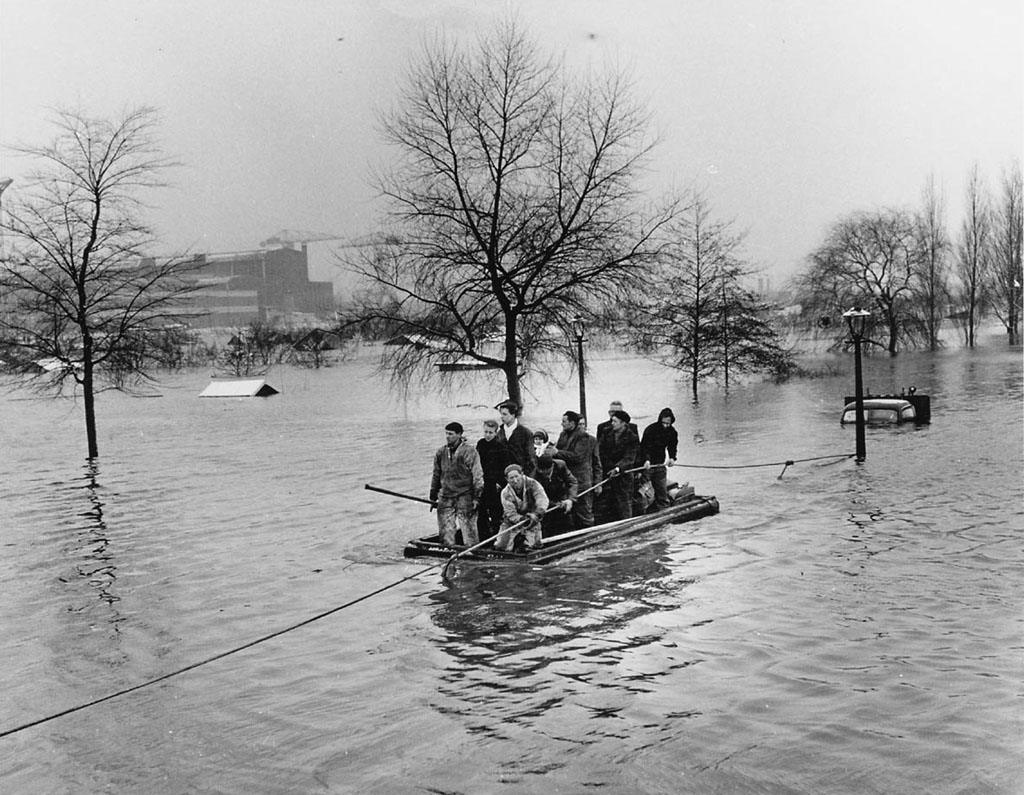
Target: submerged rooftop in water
(238,387)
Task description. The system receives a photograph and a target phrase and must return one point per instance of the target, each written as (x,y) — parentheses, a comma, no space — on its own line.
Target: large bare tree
(869,259)
(79,289)
(515,202)
(1006,269)
(972,254)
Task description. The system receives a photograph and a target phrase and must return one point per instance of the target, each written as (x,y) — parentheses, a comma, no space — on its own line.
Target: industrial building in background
(263,284)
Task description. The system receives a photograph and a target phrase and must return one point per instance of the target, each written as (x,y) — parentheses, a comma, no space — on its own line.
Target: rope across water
(339,608)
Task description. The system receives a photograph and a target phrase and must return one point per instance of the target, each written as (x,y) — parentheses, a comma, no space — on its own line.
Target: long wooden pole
(399,494)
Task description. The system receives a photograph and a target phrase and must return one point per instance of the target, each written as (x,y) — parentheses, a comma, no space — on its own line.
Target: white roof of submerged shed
(238,387)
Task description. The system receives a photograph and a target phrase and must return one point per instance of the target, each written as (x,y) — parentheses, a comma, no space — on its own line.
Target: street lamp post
(578,329)
(856,319)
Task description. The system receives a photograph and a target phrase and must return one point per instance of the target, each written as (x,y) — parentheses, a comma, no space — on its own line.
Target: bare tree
(933,262)
(517,201)
(869,259)
(706,325)
(1006,270)
(79,291)
(972,254)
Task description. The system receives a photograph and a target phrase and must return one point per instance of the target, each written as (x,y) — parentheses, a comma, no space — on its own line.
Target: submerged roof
(238,387)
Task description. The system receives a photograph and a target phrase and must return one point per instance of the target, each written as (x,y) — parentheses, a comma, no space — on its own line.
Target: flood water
(844,629)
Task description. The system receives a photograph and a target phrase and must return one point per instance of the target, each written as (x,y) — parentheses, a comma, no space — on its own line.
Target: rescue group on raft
(519,486)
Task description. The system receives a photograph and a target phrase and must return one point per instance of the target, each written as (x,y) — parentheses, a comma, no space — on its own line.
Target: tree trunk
(511,367)
(89,398)
(512,378)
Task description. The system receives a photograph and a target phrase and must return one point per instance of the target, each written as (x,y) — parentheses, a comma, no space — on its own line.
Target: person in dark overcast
(618,449)
(658,449)
(494,457)
(517,436)
(578,449)
(615,405)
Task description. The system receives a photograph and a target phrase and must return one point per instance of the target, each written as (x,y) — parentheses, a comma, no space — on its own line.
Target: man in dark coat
(579,451)
(660,439)
(559,484)
(618,449)
(517,436)
(615,405)
(494,457)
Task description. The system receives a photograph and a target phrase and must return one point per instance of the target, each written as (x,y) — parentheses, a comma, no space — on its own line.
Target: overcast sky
(789,113)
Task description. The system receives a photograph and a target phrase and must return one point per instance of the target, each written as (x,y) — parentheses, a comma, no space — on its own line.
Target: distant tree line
(913,276)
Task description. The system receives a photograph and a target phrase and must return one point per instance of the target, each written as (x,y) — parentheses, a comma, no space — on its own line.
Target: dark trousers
(557,521)
(659,479)
(583,511)
(490,511)
(620,498)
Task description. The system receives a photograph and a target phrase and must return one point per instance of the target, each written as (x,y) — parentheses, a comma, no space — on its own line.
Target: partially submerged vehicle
(686,507)
(890,409)
(881,411)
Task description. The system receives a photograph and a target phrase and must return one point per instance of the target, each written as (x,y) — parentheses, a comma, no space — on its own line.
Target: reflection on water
(515,608)
(97,566)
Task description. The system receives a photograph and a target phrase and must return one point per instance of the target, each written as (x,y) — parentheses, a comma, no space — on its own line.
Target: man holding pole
(579,450)
(524,504)
(618,448)
(658,449)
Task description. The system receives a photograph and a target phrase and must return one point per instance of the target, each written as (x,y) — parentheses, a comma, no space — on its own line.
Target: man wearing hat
(618,447)
(524,504)
(606,426)
(558,483)
(457,486)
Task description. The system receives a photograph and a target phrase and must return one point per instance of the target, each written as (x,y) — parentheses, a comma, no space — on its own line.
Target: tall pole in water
(578,329)
(856,319)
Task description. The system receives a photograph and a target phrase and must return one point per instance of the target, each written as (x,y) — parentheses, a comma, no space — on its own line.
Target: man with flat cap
(617,448)
(457,486)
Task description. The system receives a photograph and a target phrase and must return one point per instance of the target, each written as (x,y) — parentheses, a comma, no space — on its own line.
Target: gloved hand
(567,505)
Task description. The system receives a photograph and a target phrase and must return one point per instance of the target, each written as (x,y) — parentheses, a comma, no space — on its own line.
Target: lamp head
(857,319)
(578,327)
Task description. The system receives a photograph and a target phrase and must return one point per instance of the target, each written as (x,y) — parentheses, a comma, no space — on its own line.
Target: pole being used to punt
(399,494)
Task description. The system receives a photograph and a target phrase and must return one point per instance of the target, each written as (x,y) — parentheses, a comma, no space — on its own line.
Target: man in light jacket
(457,486)
(524,504)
